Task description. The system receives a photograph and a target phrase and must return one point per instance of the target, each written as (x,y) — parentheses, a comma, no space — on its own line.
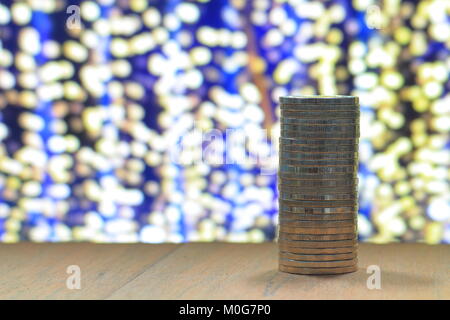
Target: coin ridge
(318,197)
(318,230)
(318,163)
(321,122)
(319,155)
(317,217)
(319,115)
(317,108)
(312,249)
(314,98)
(338,189)
(316,243)
(317,271)
(317,257)
(308,237)
(318,205)
(287,221)
(316,150)
(309,264)
(320,127)
(318,250)
(318,210)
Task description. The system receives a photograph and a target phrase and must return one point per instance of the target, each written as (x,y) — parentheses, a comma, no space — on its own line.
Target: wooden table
(213,271)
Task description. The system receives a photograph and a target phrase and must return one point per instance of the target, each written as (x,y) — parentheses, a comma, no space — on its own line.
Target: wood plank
(213,271)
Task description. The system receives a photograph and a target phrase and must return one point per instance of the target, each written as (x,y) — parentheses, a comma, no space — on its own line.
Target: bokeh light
(88,104)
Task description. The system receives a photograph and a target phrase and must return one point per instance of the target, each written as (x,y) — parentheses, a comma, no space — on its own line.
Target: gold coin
(318,230)
(292,243)
(317,257)
(318,264)
(318,250)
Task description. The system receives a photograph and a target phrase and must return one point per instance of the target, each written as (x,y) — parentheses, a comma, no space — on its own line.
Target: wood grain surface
(213,271)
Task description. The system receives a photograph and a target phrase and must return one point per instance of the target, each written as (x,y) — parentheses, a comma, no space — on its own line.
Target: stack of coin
(318,196)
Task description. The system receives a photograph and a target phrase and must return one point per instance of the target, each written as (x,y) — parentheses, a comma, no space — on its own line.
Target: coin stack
(318,196)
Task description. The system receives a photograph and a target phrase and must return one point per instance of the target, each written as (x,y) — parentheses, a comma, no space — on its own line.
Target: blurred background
(92,91)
